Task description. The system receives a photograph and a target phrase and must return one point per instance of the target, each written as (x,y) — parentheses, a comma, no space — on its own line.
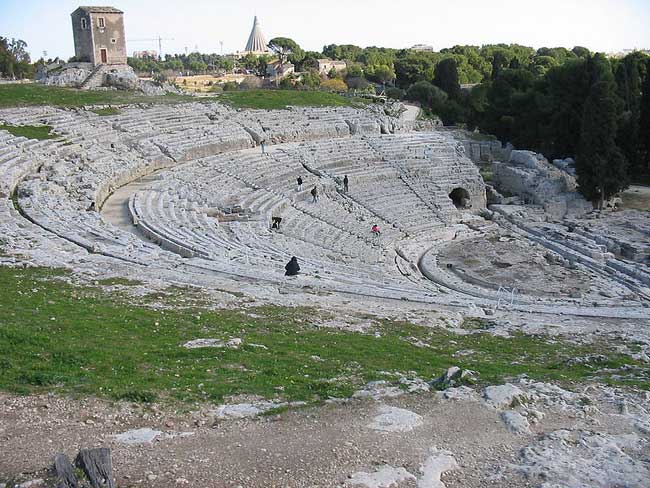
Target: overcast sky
(601,25)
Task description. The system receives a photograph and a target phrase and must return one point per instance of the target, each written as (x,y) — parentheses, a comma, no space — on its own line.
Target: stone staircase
(95,78)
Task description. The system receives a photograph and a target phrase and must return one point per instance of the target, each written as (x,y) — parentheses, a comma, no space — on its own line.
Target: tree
(249,61)
(309,61)
(446,77)
(198,66)
(395,93)
(357,83)
(414,67)
(600,165)
(14,59)
(283,47)
(354,70)
(310,79)
(381,73)
(426,93)
(541,64)
(346,52)
(644,122)
(628,82)
(499,60)
(581,52)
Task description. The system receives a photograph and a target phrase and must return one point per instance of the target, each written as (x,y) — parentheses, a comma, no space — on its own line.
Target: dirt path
(412,112)
(329,446)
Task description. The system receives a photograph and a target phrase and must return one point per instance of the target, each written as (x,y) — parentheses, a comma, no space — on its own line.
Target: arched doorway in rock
(461,198)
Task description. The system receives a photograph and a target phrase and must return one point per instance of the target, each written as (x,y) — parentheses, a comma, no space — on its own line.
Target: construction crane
(159,39)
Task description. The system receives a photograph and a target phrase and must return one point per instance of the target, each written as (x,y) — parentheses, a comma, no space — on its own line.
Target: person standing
(263,146)
(346,182)
(299,180)
(314,194)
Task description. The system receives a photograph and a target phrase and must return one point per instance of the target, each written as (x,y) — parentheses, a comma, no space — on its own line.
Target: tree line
(14,59)
(586,106)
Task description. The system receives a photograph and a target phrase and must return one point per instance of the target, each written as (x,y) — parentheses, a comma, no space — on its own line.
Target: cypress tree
(628,83)
(600,165)
(446,77)
(644,123)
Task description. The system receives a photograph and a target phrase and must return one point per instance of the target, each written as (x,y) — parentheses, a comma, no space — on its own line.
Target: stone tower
(99,35)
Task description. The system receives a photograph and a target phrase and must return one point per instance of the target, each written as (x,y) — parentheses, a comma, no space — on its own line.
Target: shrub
(310,79)
(230,86)
(395,93)
(251,83)
(334,85)
(137,396)
(286,82)
(357,83)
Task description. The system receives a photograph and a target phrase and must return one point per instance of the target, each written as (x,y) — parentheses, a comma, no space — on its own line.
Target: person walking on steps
(299,180)
(314,195)
(275,222)
(346,182)
(376,230)
(263,146)
(292,267)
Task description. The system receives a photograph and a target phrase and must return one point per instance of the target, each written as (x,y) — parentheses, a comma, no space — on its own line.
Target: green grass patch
(58,337)
(637,198)
(118,281)
(479,136)
(17,95)
(107,111)
(280,99)
(486,173)
(39,132)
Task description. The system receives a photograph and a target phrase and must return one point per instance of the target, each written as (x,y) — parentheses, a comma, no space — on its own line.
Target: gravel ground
(312,447)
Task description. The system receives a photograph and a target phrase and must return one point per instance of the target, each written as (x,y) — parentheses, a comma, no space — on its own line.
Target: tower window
(84,24)
(113,41)
(100,22)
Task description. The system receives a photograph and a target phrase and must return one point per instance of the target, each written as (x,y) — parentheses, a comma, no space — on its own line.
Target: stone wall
(110,38)
(83,38)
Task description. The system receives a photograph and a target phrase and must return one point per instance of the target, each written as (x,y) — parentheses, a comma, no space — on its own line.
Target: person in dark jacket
(299,180)
(346,183)
(314,195)
(275,222)
(292,268)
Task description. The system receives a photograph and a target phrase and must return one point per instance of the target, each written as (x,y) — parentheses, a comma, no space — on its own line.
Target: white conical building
(256,42)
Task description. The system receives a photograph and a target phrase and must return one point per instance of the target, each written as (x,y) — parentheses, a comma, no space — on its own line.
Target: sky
(600,25)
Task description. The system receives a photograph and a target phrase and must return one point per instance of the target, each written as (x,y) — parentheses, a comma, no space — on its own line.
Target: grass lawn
(30,131)
(84,341)
(280,99)
(637,197)
(107,111)
(19,94)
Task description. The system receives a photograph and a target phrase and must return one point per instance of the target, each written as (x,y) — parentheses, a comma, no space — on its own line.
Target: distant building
(145,54)
(275,70)
(327,65)
(625,52)
(99,35)
(256,43)
(422,48)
